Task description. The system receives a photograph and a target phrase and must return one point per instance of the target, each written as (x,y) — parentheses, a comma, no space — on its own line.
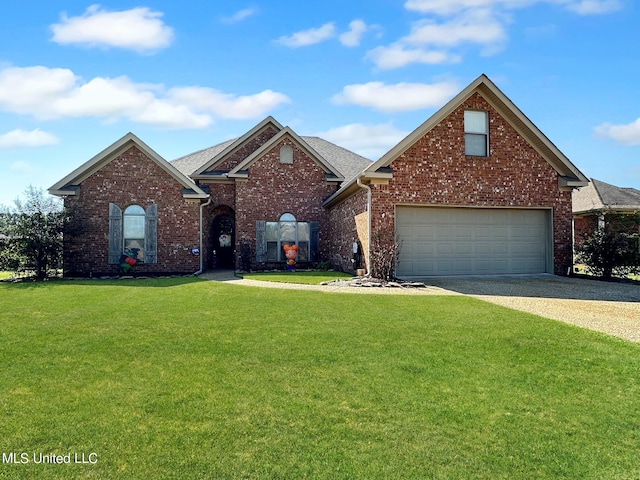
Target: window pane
(131,243)
(133,226)
(475,145)
(134,210)
(287,217)
(288,232)
(272,251)
(303,232)
(271,233)
(475,122)
(303,254)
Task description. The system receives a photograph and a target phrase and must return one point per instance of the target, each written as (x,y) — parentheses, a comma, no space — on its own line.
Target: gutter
(368,189)
(202,205)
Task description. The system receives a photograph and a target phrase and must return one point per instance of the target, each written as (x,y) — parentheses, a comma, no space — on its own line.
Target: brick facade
(435,171)
(132,179)
(343,221)
(274,188)
(432,171)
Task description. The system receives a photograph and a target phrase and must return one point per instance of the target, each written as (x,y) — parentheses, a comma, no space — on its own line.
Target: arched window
(287,231)
(133,230)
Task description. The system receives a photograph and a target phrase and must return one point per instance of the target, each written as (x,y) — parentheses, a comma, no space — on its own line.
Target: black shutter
(115,233)
(261,241)
(151,234)
(314,229)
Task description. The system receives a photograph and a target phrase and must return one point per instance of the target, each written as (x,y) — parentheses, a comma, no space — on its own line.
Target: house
(598,203)
(476,189)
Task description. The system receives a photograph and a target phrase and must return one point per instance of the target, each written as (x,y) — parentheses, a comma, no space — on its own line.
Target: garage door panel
(478,241)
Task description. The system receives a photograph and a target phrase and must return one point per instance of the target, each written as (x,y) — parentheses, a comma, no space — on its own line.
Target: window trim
(468,132)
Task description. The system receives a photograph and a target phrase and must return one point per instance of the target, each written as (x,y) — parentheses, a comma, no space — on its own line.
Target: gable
(288,137)
(69,185)
(238,150)
(481,89)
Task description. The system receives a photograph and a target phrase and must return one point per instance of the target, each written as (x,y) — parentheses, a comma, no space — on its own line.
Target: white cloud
(398,97)
(139,29)
(433,42)
(453,23)
(228,105)
(476,26)
(240,15)
(449,7)
(370,141)
(595,7)
(58,93)
(24,138)
(353,37)
(398,55)
(628,134)
(309,37)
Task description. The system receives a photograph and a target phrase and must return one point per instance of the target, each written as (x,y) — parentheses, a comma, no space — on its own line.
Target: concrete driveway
(612,308)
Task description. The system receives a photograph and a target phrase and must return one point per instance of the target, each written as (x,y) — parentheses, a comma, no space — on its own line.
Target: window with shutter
(273,236)
(134,229)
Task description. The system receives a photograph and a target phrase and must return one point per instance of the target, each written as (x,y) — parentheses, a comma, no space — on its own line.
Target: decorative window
(476,133)
(135,228)
(273,236)
(286,154)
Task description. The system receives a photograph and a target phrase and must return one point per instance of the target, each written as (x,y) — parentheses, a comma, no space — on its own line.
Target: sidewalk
(228,276)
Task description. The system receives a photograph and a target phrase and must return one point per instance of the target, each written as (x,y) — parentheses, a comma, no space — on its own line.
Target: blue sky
(76,76)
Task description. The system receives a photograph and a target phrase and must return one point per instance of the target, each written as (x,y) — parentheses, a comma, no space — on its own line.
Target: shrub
(613,249)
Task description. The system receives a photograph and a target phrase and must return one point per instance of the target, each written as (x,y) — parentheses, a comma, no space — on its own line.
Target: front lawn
(185,378)
(307,278)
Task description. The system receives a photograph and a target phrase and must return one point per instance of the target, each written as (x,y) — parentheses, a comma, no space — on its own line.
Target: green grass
(307,278)
(183,378)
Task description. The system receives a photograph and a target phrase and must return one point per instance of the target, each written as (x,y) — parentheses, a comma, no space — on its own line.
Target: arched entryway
(223,235)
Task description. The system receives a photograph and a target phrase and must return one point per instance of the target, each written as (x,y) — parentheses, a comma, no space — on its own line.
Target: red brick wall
(274,188)
(250,146)
(436,171)
(343,230)
(130,179)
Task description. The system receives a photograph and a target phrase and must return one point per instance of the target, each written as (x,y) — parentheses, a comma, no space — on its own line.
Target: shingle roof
(348,163)
(599,195)
(190,163)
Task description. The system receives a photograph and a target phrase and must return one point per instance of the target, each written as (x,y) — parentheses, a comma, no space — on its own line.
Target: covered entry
(473,241)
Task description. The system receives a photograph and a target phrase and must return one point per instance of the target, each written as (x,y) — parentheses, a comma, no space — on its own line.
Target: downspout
(202,205)
(368,189)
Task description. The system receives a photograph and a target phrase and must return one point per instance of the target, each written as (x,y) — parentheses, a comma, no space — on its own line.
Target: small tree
(384,254)
(33,233)
(612,249)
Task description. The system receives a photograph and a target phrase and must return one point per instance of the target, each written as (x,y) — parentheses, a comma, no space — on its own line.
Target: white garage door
(472,241)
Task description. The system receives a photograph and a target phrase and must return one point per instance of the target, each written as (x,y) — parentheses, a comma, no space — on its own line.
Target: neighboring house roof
(599,196)
(69,184)
(569,175)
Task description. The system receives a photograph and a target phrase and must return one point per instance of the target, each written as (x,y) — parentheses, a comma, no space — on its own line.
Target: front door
(224,241)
